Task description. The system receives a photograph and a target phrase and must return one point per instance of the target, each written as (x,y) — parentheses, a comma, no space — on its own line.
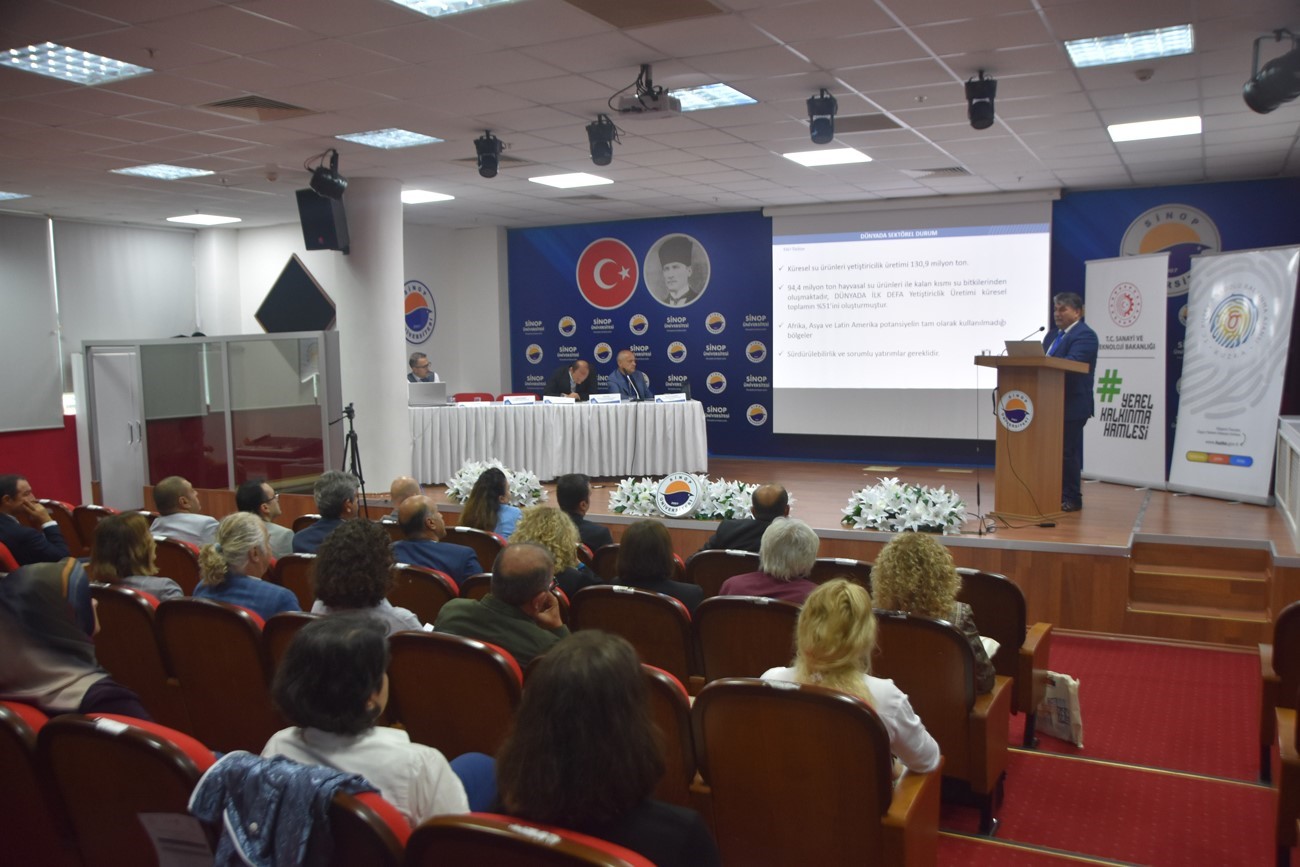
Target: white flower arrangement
(634,497)
(525,488)
(892,507)
(719,499)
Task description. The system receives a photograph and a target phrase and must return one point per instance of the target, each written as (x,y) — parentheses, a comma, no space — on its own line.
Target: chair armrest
(1269,684)
(990,719)
(910,828)
(1288,779)
(1031,669)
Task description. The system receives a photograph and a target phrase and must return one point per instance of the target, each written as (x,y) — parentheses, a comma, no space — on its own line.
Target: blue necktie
(1055,343)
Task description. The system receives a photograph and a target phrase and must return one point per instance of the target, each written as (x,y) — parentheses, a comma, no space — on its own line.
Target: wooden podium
(1027,471)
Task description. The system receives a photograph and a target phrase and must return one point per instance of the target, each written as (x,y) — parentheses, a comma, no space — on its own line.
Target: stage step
(1197,623)
(1197,593)
(1208,588)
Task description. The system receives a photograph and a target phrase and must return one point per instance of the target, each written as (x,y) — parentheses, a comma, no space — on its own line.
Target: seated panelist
(627,381)
(572,380)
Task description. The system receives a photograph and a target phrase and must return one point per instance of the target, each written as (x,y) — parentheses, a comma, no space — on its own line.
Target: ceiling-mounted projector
(661,104)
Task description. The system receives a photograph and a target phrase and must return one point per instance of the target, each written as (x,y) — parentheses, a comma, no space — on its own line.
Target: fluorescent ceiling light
(389,138)
(162,172)
(828,157)
(1146,129)
(1125,47)
(438,8)
(419,197)
(6,196)
(69,64)
(203,219)
(568,182)
(711,96)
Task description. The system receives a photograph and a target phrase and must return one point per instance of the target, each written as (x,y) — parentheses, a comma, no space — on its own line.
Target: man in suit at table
(1072,339)
(570,381)
(746,534)
(628,382)
(423,526)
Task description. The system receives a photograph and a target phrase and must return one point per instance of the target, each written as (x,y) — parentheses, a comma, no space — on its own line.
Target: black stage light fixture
(327,182)
(1278,81)
(488,147)
(821,117)
(601,135)
(979,101)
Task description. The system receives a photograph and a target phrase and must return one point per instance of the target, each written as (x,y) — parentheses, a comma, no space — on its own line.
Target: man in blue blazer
(423,545)
(1074,340)
(629,383)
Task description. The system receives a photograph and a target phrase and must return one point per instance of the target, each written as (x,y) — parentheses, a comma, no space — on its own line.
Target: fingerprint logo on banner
(602,353)
(1233,321)
(638,324)
(1179,230)
(421,313)
(677,495)
(716,382)
(607,273)
(1015,410)
(567,326)
(715,323)
(533,353)
(677,352)
(1125,304)
(756,351)
(757,414)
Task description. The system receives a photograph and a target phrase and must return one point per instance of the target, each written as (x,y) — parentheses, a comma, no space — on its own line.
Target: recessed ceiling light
(389,138)
(162,172)
(69,64)
(203,219)
(711,96)
(6,196)
(1125,47)
(568,182)
(438,8)
(419,197)
(1146,129)
(828,157)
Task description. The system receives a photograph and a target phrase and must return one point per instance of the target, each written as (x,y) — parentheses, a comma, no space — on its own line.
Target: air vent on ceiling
(864,123)
(586,199)
(942,172)
(642,13)
(257,108)
(505,161)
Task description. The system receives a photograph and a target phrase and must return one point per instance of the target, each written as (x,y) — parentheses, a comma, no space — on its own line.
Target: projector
(660,104)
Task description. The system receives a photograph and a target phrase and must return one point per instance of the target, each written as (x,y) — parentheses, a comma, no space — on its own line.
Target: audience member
(180,517)
(519,614)
(646,562)
(488,506)
(423,526)
(785,560)
(332,685)
(583,753)
(835,639)
(552,529)
(419,369)
(258,498)
(401,488)
(572,380)
(335,493)
(914,573)
(353,572)
(768,503)
(231,568)
(627,382)
(26,527)
(123,553)
(573,493)
(47,649)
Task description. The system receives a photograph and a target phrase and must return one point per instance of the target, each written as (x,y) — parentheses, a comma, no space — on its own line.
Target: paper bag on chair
(1058,715)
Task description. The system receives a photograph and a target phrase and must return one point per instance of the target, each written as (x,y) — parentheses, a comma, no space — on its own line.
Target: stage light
(488,147)
(1278,81)
(821,117)
(326,181)
(601,135)
(979,101)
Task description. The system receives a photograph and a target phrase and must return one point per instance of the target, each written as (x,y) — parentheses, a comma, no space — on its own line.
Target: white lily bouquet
(892,507)
(525,488)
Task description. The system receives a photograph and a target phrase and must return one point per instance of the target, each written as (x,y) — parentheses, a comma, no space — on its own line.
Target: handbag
(1058,714)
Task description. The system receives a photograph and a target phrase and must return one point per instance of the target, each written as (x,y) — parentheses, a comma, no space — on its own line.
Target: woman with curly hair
(123,553)
(555,531)
(353,572)
(488,505)
(834,640)
(914,573)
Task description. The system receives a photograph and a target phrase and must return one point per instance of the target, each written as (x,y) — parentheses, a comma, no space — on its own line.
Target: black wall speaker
(324,222)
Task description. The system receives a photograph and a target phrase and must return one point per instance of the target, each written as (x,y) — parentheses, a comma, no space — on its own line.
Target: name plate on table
(606,398)
(519,399)
(671,397)
(558,398)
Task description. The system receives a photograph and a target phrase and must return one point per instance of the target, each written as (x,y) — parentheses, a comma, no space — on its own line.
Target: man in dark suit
(335,493)
(26,527)
(627,381)
(423,545)
(573,492)
(570,381)
(420,372)
(1074,340)
(746,534)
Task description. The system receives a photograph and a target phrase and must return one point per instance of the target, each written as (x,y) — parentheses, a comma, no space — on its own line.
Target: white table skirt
(620,439)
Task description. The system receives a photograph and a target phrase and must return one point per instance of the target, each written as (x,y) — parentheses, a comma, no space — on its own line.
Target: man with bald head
(423,546)
(180,517)
(401,488)
(746,534)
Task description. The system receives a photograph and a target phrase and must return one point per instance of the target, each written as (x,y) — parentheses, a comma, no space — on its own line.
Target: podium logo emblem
(716,383)
(603,353)
(757,414)
(678,495)
(568,325)
(533,353)
(715,323)
(1015,411)
(756,351)
(638,324)
(677,352)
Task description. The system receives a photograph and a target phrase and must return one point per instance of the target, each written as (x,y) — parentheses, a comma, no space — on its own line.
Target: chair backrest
(302,522)
(744,636)
(584,555)
(278,633)
(604,562)
(453,693)
(393,529)
(472,397)
(710,569)
(87,517)
(367,830)
(486,545)
(216,652)
(484,838)
(1286,653)
(33,825)
(61,512)
(826,568)
(999,608)
(658,626)
(108,770)
(7,561)
(295,572)
(423,591)
(127,647)
(756,738)
(476,586)
(178,560)
(670,707)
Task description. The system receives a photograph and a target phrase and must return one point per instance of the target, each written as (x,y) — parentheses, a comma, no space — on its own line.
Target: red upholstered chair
(127,646)
(484,838)
(367,830)
(87,517)
(604,562)
(709,569)
(826,568)
(422,591)
(486,545)
(34,828)
(108,770)
(453,693)
(61,512)
(295,572)
(670,706)
(744,636)
(472,397)
(302,522)
(178,560)
(584,555)
(658,626)
(278,633)
(1279,671)
(476,586)
(7,561)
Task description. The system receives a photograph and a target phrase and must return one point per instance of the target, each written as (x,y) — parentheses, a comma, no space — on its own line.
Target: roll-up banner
(1125,300)
(1238,335)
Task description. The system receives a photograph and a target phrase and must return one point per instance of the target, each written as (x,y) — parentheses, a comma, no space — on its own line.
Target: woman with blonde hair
(556,532)
(834,639)
(232,566)
(123,553)
(914,573)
